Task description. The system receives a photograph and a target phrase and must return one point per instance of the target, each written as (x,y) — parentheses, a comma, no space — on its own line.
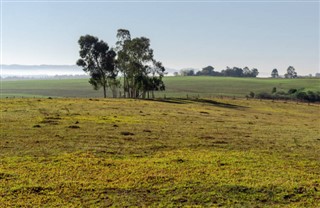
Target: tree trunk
(125,85)
(104,91)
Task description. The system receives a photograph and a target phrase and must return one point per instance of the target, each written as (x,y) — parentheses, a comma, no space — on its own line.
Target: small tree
(187,72)
(274,73)
(98,61)
(291,72)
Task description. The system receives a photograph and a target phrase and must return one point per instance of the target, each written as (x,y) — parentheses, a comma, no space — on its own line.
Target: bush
(264,95)
(313,96)
(292,91)
(301,96)
(293,94)
(281,95)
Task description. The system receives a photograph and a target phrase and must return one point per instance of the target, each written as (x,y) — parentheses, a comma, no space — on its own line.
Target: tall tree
(97,60)
(291,72)
(274,73)
(137,64)
(124,37)
(246,72)
(254,72)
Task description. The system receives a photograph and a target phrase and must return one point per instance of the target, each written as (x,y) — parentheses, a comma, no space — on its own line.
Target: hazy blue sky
(264,35)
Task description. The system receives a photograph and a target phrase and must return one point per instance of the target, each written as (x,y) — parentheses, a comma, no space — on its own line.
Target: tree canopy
(228,72)
(142,73)
(132,57)
(98,60)
(291,72)
(274,73)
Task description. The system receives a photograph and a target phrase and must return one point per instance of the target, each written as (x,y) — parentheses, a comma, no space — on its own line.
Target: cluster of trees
(291,73)
(228,72)
(132,58)
(291,94)
(235,72)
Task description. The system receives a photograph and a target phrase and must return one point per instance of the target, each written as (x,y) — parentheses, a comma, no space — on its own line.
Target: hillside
(160,153)
(175,87)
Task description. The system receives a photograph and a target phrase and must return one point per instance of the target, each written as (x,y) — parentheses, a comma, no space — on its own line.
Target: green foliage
(142,73)
(187,72)
(206,71)
(98,61)
(292,94)
(228,72)
(292,91)
(274,73)
(291,72)
(264,95)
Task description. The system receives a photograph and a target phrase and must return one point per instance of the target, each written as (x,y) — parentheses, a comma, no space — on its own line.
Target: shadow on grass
(205,101)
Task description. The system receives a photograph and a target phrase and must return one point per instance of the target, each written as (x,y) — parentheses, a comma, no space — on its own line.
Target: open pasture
(158,153)
(178,87)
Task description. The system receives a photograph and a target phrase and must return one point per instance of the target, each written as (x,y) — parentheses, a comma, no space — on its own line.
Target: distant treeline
(228,72)
(235,72)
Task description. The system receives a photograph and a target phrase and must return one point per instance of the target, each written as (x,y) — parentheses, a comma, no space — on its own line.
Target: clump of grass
(126,133)
(73,127)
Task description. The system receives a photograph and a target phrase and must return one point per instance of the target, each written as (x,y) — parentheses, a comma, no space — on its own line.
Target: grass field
(158,153)
(175,87)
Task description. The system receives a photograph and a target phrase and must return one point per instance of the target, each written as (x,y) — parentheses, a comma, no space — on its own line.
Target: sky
(184,34)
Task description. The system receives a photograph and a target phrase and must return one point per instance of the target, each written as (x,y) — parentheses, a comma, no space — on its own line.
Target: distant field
(175,87)
(158,153)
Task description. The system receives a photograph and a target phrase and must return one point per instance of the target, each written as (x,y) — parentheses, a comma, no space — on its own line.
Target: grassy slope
(176,87)
(210,153)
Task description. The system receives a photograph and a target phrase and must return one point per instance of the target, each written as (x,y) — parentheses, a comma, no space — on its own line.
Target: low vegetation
(292,94)
(159,153)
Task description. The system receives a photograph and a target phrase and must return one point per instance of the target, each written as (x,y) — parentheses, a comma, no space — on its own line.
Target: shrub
(264,95)
(302,96)
(292,91)
(251,94)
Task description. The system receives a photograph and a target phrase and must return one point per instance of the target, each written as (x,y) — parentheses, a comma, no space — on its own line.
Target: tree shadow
(204,101)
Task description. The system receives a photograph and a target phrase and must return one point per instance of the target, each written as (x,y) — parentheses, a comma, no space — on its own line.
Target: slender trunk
(125,85)
(104,91)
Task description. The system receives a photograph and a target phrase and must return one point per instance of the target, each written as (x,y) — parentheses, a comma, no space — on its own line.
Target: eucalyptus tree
(98,60)
(141,72)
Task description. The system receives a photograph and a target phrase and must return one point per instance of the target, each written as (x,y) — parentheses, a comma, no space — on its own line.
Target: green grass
(175,87)
(161,153)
